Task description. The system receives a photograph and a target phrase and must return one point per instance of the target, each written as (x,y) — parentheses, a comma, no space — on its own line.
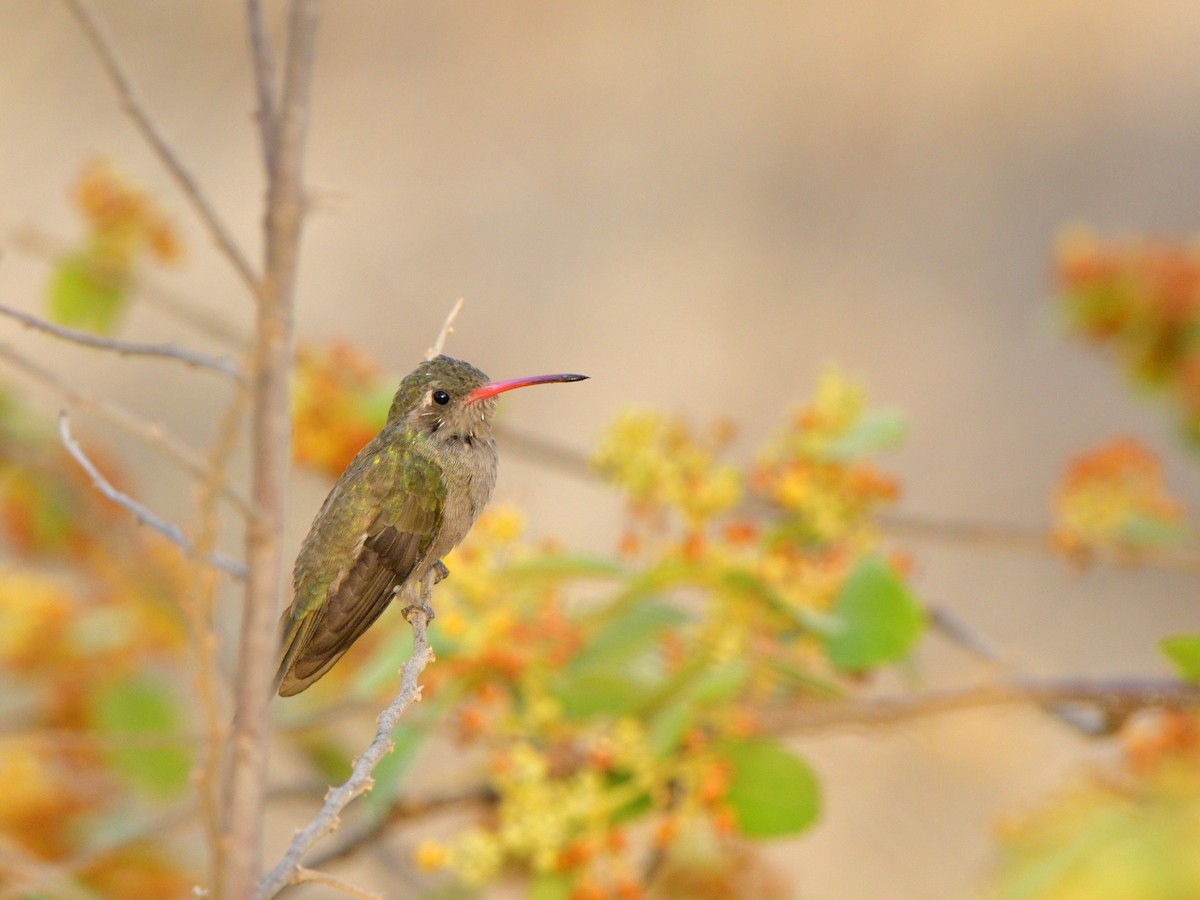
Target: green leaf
(772,791)
(597,692)
(682,702)
(746,582)
(550,886)
(1184,651)
(881,620)
(87,293)
(140,707)
(873,433)
(1147,531)
(628,636)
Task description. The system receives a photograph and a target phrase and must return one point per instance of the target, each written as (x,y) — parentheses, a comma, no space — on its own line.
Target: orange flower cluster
(1142,298)
(125,220)
(125,224)
(339,402)
(1113,498)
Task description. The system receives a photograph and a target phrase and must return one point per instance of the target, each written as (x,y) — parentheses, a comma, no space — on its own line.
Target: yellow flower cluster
(809,469)
(660,463)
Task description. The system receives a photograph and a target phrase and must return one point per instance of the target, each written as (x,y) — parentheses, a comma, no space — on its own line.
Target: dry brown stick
(360,780)
(151,432)
(144,516)
(1114,698)
(270,455)
(126,348)
(263,60)
(136,110)
(152,292)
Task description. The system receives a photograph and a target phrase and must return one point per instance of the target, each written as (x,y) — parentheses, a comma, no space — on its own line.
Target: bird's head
(451,397)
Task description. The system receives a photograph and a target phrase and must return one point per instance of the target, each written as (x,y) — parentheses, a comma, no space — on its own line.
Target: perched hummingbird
(407,498)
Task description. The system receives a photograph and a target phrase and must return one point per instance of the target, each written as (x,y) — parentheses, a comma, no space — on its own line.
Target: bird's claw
(440,572)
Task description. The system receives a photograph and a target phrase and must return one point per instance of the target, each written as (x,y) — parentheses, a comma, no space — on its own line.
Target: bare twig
(151,291)
(152,433)
(447,330)
(133,105)
(143,515)
(271,455)
(126,348)
(199,605)
(360,781)
(303,874)
(1115,699)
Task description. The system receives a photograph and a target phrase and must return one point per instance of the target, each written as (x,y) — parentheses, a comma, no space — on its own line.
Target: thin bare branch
(136,110)
(401,810)
(144,516)
(263,60)
(447,330)
(126,348)
(151,291)
(303,874)
(360,780)
(1115,699)
(151,432)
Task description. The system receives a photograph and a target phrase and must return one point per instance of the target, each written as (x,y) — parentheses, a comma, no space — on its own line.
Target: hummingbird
(408,497)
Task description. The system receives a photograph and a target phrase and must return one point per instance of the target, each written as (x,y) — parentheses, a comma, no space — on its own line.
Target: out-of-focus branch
(360,780)
(136,110)
(270,451)
(144,516)
(401,810)
(153,293)
(126,348)
(304,874)
(263,60)
(152,433)
(1114,699)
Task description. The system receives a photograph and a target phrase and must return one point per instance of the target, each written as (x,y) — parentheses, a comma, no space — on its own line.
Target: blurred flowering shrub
(1141,299)
(1113,498)
(90,644)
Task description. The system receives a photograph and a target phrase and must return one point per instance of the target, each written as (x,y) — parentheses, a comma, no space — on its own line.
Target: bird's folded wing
(397,528)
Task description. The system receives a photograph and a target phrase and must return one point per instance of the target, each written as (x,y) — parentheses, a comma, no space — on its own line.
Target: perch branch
(447,330)
(143,515)
(360,780)
(136,110)
(126,348)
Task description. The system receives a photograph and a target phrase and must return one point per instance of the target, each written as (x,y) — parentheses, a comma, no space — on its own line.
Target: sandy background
(699,205)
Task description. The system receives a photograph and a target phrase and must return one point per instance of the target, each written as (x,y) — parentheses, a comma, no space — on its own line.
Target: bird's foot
(408,611)
(440,572)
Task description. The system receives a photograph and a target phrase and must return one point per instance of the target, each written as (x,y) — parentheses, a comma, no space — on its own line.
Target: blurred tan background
(699,205)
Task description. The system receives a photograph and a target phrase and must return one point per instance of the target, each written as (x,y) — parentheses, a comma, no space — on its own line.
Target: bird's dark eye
(441,398)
